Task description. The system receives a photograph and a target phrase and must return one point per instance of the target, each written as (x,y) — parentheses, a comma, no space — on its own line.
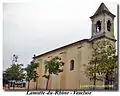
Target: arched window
(98,26)
(108,25)
(72,65)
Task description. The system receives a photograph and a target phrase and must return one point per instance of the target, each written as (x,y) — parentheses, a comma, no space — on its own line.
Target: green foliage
(31,73)
(53,66)
(5,78)
(15,72)
(108,60)
(103,61)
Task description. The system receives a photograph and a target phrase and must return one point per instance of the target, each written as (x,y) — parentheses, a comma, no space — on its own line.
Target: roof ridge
(83,40)
(101,9)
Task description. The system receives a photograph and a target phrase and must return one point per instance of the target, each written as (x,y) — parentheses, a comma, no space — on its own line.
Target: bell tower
(102,23)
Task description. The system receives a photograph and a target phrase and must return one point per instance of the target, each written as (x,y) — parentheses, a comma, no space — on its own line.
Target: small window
(98,26)
(72,65)
(108,25)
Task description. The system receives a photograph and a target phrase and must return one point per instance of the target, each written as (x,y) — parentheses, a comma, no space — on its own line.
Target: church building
(76,55)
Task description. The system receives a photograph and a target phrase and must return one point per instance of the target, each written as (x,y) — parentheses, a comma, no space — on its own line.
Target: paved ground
(15,89)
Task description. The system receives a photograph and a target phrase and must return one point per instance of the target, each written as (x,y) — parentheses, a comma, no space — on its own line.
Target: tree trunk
(8,85)
(13,86)
(36,84)
(95,76)
(106,82)
(94,81)
(28,86)
(47,82)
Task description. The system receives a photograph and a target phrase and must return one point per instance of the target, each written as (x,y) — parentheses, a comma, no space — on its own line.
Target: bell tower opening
(109,25)
(102,23)
(98,26)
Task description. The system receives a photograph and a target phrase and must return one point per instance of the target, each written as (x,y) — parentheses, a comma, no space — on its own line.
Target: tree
(103,62)
(35,79)
(53,66)
(5,79)
(15,72)
(31,73)
(108,63)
